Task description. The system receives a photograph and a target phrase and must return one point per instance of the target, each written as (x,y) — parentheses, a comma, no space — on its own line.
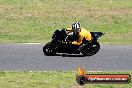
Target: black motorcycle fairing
(72,37)
(60,36)
(68,48)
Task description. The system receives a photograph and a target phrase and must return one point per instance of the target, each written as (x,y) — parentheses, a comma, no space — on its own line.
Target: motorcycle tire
(49,49)
(91,49)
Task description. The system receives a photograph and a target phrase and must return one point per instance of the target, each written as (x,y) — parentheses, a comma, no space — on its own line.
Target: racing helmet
(76,27)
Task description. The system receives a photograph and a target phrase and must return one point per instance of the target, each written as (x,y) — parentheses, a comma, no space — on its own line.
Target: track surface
(25,57)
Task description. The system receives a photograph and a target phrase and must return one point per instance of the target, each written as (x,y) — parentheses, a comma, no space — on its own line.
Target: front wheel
(91,49)
(49,49)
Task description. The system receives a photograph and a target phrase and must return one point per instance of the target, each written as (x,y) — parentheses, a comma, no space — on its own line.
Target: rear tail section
(96,35)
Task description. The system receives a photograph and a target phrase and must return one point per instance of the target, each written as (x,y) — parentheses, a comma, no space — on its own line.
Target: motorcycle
(59,37)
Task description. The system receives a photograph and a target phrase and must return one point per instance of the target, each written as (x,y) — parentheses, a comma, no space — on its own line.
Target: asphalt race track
(23,57)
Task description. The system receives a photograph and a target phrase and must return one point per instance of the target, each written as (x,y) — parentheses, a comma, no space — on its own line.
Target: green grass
(54,79)
(36,20)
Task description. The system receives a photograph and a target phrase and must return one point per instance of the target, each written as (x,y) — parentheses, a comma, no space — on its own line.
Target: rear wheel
(91,49)
(49,49)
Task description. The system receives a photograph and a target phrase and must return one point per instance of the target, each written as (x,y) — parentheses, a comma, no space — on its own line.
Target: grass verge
(36,20)
(54,79)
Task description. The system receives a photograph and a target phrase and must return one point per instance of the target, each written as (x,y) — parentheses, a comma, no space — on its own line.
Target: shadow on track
(72,55)
(69,55)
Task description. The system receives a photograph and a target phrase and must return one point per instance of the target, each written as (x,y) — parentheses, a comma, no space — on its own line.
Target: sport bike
(60,37)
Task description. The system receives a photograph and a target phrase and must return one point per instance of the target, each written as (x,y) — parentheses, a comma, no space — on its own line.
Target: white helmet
(76,26)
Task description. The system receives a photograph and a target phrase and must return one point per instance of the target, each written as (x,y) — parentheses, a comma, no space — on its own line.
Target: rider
(80,32)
